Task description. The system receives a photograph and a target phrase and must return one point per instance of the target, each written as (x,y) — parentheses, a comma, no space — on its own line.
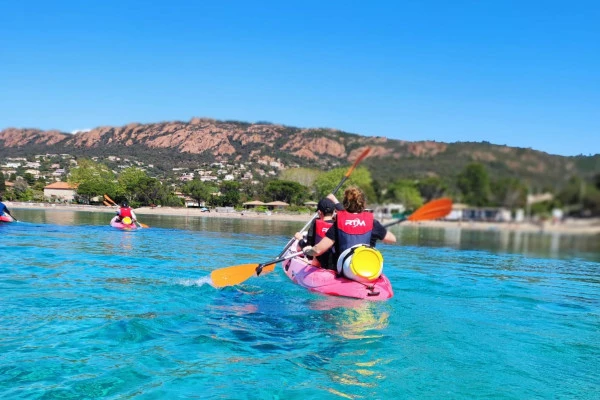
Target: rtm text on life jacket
(355,222)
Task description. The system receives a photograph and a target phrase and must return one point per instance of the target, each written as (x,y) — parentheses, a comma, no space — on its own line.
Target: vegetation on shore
(472,186)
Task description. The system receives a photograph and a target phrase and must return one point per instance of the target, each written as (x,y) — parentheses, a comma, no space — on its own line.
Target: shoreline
(568,226)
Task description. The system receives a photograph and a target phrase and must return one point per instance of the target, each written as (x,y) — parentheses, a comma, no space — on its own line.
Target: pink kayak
(324,281)
(6,218)
(120,225)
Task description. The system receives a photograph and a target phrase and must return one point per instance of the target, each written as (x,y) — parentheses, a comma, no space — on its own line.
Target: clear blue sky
(520,73)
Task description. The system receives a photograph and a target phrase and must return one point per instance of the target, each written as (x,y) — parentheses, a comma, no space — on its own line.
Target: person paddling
(317,231)
(126,212)
(353,226)
(5,211)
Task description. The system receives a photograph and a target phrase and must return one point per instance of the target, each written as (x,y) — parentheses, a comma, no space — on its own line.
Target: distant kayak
(6,218)
(325,281)
(121,225)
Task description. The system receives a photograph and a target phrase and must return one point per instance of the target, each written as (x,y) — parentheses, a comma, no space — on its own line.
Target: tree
(360,177)
(198,190)
(580,198)
(230,193)
(166,197)
(93,179)
(474,184)
(432,188)
(406,193)
(509,193)
(379,191)
(29,178)
(287,191)
(22,191)
(2,183)
(40,184)
(251,191)
(138,187)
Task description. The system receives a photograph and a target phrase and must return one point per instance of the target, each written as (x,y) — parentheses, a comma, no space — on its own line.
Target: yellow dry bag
(361,263)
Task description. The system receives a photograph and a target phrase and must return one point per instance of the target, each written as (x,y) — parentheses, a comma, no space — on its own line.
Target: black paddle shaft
(261,266)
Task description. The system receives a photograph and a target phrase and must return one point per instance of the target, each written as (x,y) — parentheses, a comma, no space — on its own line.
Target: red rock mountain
(203,139)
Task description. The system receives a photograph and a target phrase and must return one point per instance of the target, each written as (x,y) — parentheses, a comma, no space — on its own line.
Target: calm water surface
(92,312)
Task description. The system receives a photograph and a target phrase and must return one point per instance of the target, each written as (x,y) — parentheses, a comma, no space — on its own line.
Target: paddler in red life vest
(126,212)
(317,231)
(353,226)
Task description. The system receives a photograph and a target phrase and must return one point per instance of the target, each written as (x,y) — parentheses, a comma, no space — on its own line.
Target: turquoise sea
(91,312)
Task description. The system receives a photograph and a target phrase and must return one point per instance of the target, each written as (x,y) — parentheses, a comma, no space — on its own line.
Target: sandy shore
(568,226)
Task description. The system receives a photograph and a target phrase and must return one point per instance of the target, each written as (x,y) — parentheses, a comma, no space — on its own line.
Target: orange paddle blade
(435,209)
(236,274)
(143,225)
(362,156)
(233,275)
(109,200)
(268,268)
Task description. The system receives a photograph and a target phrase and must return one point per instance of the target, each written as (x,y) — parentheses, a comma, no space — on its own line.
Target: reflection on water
(193,223)
(358,331)
(553,245)
(64,217)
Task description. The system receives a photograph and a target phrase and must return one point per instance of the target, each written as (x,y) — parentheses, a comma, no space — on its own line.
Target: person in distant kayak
(317,231)
(4,210)
(125,214)
(353,226)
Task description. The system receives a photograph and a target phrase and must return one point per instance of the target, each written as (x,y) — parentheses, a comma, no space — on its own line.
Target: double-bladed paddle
(237,274)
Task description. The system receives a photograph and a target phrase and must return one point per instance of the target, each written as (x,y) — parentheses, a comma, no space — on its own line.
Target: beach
(590,226)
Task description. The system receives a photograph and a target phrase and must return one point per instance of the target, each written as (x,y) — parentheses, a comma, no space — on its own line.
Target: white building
(60,191)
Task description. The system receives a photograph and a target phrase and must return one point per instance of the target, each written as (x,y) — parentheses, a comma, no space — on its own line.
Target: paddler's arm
(324,245)
(389,238)
(381,232)
(338,205)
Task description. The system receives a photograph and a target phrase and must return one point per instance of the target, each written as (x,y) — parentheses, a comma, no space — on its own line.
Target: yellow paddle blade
(435,209)
(143,225)
(233,275)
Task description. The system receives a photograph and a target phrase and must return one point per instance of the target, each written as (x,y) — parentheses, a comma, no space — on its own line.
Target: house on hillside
(60,192)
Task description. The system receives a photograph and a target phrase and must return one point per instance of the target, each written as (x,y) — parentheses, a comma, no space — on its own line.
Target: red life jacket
(321,228)
(125,212)
(325,260)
